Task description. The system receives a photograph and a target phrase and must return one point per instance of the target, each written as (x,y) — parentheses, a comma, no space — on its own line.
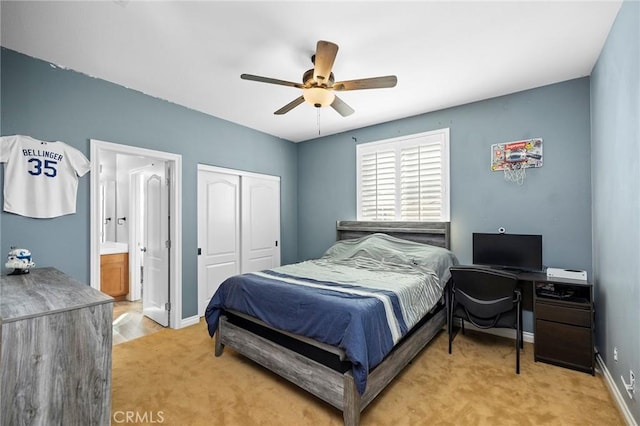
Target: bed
(344,325)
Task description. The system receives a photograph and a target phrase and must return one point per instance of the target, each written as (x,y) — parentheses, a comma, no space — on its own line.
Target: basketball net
(515,173)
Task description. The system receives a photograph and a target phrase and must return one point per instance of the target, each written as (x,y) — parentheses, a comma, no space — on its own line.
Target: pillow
(385,248)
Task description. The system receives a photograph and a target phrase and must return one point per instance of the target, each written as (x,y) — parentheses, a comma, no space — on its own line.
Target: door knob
(143,249)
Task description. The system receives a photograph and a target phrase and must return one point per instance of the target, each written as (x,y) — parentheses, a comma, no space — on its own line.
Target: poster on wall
(516,155)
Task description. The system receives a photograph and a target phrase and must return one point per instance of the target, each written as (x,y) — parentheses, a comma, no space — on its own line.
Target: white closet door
(260,223)
(218,232)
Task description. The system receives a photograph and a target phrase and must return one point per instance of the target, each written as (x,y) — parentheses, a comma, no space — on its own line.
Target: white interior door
(218,232)
(260,223)
(136,233)
(155,281)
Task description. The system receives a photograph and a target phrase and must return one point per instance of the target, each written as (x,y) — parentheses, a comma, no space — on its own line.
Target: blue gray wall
(50,103)
(554,201)
(615,133)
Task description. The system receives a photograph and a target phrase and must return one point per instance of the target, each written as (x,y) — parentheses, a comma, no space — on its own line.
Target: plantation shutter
(421,183)
(404,179)
(378,188)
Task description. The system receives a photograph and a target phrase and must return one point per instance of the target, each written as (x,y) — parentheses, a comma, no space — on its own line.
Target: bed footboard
(333,387)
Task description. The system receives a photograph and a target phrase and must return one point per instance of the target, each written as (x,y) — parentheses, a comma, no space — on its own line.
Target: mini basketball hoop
(515,173)
(513,158)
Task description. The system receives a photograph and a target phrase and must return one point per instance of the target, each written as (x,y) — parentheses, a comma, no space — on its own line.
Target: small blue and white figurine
(20,260)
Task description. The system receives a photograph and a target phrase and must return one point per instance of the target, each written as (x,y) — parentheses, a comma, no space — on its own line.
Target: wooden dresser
(55,350)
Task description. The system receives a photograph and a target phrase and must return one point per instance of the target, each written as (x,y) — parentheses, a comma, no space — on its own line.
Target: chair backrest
(483,292)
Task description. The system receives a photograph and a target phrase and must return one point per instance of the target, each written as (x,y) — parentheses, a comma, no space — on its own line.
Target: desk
(527,282)
(564,326)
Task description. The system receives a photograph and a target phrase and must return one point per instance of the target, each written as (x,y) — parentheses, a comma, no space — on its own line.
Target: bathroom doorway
(136,209)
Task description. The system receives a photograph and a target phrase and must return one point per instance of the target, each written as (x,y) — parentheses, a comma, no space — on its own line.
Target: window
(405,178)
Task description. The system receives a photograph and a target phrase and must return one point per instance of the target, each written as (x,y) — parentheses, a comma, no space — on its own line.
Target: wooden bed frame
(334,385)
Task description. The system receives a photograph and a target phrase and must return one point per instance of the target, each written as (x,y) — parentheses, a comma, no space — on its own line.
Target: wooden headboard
(434,233)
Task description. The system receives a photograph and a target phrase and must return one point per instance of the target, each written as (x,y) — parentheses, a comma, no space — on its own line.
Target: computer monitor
(508,251)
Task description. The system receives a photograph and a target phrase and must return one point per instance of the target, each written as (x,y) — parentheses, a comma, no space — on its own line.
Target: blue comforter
(358,298)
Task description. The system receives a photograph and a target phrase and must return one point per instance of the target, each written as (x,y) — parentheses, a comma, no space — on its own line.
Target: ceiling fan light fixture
(318,83)
(318,96)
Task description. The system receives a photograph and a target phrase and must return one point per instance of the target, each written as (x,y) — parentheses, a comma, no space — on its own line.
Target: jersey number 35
(48,170)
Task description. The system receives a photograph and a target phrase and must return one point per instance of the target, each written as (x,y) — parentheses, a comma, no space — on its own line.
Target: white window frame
(440,136)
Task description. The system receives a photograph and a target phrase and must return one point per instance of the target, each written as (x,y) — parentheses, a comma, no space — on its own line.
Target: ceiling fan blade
(291,105)
(325,56)
(366,83)
(270,80)
(342,108)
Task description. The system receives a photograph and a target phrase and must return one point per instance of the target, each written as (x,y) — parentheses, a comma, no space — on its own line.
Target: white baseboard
(186,322)
(615,392)
(502,332)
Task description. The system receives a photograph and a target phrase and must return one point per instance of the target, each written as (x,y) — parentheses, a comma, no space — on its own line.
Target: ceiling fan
(318,84)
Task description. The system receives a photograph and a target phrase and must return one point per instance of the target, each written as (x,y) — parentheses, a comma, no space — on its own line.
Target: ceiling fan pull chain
(318,110)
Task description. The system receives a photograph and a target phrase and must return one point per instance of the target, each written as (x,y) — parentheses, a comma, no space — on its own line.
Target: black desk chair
(487,299)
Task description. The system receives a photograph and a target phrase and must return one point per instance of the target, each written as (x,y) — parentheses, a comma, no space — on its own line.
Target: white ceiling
(192,53)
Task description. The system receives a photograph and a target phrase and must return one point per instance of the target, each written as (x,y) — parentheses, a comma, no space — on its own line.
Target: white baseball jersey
(40,178)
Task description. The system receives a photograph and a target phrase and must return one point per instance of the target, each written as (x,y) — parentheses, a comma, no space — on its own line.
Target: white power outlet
(615,354)
(631,386)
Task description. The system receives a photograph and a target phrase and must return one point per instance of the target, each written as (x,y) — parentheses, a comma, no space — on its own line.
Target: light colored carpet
(173,378)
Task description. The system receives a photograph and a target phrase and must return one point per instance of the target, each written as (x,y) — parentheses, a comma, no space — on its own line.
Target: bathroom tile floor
(129,323)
